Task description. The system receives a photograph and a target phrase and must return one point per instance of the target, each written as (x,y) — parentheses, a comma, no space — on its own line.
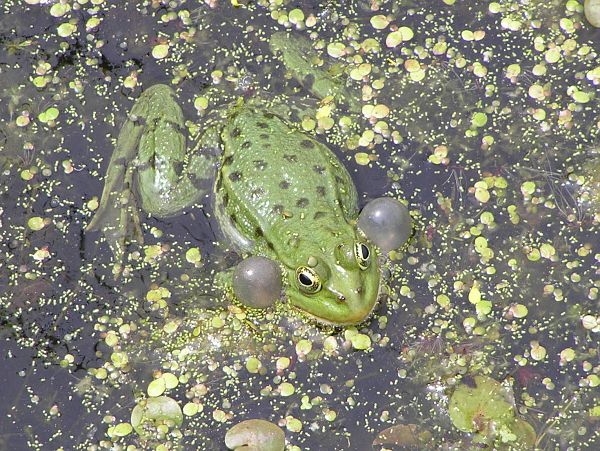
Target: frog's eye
(308,280)
(362,254)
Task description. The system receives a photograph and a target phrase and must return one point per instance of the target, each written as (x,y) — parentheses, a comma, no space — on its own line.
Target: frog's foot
(296,53)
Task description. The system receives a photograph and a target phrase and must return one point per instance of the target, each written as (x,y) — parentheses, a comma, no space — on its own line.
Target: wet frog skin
(279,194)
(287,197)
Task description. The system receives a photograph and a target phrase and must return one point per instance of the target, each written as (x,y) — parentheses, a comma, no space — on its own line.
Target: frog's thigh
(192,183)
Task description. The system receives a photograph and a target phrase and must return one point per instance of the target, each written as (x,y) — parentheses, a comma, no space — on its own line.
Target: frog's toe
(386,222)
(257,282)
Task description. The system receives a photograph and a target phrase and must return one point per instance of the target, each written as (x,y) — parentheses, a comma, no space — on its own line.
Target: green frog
(278,193)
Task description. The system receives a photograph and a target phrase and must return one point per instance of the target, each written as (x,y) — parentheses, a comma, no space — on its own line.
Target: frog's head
(338,284)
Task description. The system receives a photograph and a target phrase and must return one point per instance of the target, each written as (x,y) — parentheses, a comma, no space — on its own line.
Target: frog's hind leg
(191,174)
(171,177)
(117,216)
(151,158)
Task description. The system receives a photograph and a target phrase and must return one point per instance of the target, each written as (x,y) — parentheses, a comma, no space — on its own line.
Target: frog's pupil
(365,251)
(304,280)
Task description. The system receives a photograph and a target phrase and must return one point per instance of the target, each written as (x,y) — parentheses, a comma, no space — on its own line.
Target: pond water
(483,117)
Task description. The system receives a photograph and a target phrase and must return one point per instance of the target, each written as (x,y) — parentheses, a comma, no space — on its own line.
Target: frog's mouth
(341,309)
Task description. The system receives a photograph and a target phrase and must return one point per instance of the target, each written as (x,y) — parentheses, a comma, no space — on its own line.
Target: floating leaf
(154,412)
(403,435)
(36,223)
(160,51)
(336,49)
(191,409)
(255,435)
(591,9)
(360,341)
(362,158)
(59,9)
(66,29)
(193,255)
(393,39)
(171,381)
(479,119)
(157,387)
(379,22)
(296,16)
(479,401)
(286,389)
(122,429)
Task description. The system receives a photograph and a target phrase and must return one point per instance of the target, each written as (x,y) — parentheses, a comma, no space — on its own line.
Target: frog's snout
(341,301)
(339,296)
(342,298)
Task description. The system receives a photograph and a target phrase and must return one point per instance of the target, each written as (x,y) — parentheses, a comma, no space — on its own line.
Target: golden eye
(308,280)
(362,254)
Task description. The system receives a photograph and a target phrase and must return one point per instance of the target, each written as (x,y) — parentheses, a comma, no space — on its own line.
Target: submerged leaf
(403,435)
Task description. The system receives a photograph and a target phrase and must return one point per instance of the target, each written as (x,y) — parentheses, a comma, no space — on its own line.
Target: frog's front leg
(151,155)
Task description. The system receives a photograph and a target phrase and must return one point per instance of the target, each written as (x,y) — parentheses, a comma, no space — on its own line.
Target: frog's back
(276,182)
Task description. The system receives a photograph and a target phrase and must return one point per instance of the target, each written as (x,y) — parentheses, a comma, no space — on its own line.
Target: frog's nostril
(341,298)
(359,290)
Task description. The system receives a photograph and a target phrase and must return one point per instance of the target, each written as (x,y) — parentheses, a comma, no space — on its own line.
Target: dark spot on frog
(321,190)
(178,166)
(227,160)
(307,144)
(144,166)
(260,164)
(257,192)
(198,182)
(219,183)
(277,209)
(270,245)
(269,115)
(233,218)
(291,158)
(302,202)
(267,145)
(121,162)
(235,132)
(308,81)
(262,125)
(319,169)
(319,215)
(258,231)
(235,176)
(284,184)
(263,136)
(225,199)
(469,381)
(339,180)
(246,144)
